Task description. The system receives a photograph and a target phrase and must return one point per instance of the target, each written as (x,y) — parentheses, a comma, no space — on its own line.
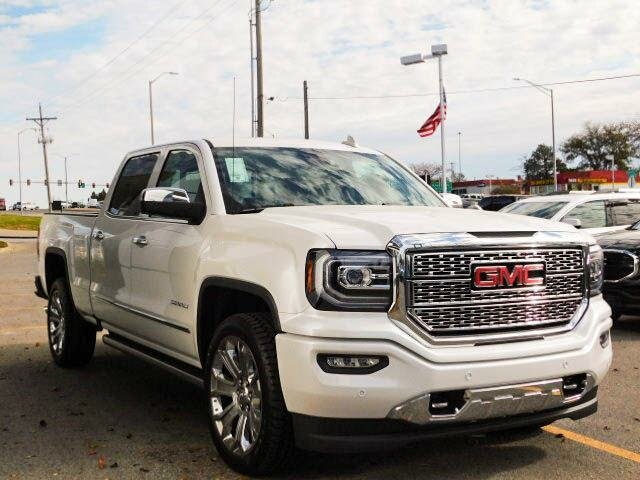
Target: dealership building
(600,180)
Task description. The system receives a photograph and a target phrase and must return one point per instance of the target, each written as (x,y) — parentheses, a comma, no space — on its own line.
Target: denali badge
(508,275)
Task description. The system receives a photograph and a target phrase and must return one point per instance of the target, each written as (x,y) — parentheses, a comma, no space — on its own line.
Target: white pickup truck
(326,298)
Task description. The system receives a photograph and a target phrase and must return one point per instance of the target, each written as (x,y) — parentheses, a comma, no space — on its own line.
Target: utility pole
(305,88)
(41,121)
(66,183)
(459,156)
(259,70)
(253,77)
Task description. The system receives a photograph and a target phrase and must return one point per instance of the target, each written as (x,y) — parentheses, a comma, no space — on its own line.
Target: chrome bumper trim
(493,402)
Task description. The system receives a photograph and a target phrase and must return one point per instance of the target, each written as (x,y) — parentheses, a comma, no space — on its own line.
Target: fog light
(604,339)
(352,364)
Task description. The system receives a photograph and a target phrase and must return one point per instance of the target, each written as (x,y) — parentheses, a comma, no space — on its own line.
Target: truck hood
(372,226)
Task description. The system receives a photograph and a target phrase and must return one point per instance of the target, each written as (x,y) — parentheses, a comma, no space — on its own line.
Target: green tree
(102,195)
(93,195)
(539,165)
(597,141)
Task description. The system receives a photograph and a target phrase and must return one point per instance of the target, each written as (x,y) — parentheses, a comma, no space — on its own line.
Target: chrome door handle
(141,240)
(98,235)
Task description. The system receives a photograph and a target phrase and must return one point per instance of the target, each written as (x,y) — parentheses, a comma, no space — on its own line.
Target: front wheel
(72,340)
(249,422)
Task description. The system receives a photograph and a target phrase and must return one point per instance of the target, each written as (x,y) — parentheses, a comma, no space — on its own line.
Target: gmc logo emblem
(508,275)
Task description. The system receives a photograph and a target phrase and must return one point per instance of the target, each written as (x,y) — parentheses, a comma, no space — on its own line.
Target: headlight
(595,267)
(348,280)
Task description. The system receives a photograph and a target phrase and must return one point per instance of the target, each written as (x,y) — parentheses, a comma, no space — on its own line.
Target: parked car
(16,206)
(595,212)
(93,203)
(622,270)
(326,298)
(452,200)
(470,199)
(29,206)
(3,205)
(494,203)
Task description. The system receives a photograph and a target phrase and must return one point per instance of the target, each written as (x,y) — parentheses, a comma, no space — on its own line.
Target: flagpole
(442,119)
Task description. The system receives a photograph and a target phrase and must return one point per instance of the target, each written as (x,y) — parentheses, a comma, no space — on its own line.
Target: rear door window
(623,212)
(591,214)
(134,178)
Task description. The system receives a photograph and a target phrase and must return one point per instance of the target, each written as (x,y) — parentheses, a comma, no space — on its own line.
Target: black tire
(72,340)
(272,448)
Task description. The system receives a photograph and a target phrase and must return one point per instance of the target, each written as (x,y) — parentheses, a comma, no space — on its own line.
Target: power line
(140,61)
(120,54)
(454,92)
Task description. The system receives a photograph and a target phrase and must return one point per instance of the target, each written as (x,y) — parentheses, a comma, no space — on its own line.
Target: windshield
(535,209)
(257,178)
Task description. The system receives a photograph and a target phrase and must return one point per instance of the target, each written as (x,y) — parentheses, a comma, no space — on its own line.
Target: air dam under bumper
(337,435)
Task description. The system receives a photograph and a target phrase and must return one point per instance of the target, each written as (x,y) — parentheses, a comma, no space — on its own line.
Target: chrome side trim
(636,263)
(143,314)
(401,245)
(493,402)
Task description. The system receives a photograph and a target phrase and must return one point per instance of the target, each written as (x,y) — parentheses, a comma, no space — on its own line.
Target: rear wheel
(72,340)
(249,422)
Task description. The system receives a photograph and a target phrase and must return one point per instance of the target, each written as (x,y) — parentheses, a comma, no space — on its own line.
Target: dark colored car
(493,203)
(622,270)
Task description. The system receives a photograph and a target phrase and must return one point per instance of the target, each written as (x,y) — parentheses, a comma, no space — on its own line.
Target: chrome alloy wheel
(56,321)
(235,396)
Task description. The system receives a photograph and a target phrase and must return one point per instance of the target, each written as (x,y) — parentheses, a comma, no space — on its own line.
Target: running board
(181,369)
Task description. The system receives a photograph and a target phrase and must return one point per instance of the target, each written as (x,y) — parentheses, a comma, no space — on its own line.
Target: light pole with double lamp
(151,82)
(437,51)
(548,92)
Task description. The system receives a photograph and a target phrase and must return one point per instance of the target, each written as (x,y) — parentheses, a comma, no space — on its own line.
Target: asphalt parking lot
(120,418)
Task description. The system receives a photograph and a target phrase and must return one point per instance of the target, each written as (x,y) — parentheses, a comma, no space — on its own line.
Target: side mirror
(574,222)
(171,203)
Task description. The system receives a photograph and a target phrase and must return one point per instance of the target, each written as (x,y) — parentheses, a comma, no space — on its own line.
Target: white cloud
(342,48)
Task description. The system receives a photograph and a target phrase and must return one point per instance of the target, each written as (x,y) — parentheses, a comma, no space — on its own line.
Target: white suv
(594,212)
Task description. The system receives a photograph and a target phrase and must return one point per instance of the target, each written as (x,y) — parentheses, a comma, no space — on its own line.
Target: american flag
(429,127)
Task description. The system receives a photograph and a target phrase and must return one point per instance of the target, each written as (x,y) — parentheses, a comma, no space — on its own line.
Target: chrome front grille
(440,298)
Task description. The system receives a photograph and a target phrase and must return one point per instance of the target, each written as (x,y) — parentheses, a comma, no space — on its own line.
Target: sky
(89,63)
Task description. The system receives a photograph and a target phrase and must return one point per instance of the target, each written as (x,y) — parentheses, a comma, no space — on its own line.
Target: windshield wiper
(259,209)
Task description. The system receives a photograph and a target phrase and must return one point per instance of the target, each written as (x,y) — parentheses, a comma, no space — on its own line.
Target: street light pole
(20,165)
(151,82)
(549,93)
(437,51)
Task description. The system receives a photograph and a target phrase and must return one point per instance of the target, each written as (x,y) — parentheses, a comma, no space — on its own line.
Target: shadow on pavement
(144,418)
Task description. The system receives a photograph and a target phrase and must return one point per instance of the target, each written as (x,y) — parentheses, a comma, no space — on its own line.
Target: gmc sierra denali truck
(326,298)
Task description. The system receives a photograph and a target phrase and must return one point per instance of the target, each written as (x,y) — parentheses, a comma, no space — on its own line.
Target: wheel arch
(220,297)
(55,266)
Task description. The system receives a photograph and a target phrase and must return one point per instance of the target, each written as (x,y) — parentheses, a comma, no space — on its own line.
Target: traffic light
(59,183)
(28,182)
(10,182)
(93,185)
(107,186)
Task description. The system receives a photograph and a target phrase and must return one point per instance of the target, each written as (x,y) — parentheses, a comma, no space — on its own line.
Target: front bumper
(318,398)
